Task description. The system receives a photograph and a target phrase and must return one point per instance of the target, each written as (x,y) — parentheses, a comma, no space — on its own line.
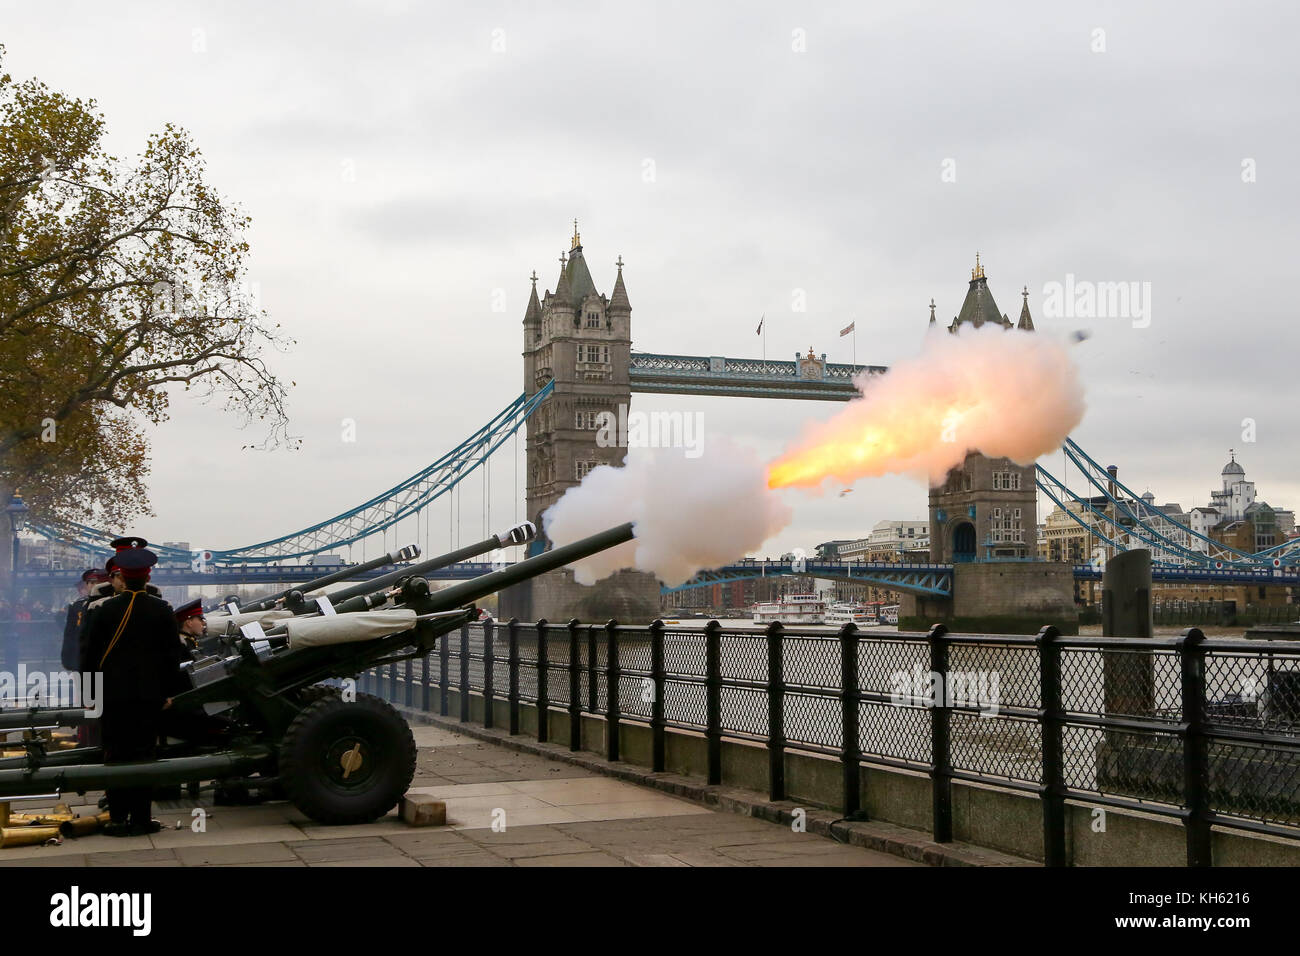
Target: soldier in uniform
(190,622)
(71,655)
(131,640)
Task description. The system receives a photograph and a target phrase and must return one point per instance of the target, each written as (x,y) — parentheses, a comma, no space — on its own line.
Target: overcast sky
(402,161)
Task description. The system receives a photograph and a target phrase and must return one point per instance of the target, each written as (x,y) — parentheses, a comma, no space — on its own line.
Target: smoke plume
(1003,393)
(690,514)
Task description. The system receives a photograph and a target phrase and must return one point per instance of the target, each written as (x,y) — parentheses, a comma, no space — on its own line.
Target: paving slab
(241,854)
(572,859)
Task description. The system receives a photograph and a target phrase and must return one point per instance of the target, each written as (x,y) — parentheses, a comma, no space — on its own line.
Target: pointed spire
(1026,323)
(618,299)
(932,322)
(533,314)
(562,287)
(577,239)
(578,276)
(979,307)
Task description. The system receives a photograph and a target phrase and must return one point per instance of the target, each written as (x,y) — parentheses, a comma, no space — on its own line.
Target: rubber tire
(314,692)
(309,767)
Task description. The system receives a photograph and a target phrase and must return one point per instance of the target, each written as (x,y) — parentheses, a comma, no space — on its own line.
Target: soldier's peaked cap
(189,609)
(135,562)
(130,541)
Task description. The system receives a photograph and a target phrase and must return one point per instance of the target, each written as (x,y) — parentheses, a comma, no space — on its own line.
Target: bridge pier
(998,597)
(629,597)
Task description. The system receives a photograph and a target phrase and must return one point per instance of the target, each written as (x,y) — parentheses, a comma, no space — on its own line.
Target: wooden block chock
(422,810)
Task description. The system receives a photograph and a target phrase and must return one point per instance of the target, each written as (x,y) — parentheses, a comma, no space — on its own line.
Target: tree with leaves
(121,285)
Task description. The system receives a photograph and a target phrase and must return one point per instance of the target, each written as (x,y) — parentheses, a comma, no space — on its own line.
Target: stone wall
(1029,589)
(998,597)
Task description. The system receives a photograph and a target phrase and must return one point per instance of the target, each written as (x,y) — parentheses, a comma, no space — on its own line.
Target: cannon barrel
(31,718)
(393,557)
(485,584)
(519,534)
(16,783)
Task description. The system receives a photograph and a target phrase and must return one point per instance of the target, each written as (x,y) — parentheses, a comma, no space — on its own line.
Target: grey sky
(399,170)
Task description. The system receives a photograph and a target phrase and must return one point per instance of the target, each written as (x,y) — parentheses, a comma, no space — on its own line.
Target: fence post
(611,690)
(775,711)
(426,675)
(409,681)
(489,629)
(512,630)
(464,673)
(657,701)
(1052,785)
(543,704)
(593,688)
(575,688)
(713,698)
(444,665)
(850,752)
(940,744)
(1196,765)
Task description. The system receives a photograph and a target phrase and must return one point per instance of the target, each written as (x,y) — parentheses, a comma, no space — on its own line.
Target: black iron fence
(1221,613)
(1206,732)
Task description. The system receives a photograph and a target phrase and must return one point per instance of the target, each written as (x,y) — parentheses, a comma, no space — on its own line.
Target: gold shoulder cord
(120,628)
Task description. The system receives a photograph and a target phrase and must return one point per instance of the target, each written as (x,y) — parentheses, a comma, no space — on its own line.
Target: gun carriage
(340,759)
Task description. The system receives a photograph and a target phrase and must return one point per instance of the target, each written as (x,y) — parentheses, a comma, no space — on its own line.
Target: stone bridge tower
(984,521)
(581,340)
(988,507)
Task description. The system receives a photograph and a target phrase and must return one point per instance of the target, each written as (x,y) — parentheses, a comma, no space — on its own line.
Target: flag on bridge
(759,330)
(848,328)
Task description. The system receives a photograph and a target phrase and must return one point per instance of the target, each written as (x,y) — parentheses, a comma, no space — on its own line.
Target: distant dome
(1149,498)
(1233,468)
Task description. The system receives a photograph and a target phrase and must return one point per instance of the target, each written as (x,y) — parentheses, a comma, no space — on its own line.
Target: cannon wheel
(347,762)
(314,692)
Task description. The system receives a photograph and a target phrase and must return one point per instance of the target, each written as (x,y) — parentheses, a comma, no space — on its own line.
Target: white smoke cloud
(690,514)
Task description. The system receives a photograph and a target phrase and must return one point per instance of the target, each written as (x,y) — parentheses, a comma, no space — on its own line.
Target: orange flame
(1006,394)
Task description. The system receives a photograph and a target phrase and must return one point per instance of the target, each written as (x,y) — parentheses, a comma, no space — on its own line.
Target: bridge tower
(984,521)
(988,507)
(582,340)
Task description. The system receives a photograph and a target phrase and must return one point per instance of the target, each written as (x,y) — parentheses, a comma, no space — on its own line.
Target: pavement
(504,808)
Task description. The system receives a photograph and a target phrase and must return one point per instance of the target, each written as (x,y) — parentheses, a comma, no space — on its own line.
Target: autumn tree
(122,285)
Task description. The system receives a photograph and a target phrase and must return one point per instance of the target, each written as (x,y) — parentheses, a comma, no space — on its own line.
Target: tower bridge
(579,362)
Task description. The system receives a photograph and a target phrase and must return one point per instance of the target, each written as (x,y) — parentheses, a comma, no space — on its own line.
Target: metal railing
(1206,732)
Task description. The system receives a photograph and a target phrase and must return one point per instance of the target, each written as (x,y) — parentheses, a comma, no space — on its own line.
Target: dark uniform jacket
(71,656)
(95,600)
(140,668)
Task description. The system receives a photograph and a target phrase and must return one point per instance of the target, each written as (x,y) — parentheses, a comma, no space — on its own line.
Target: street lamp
(17,512)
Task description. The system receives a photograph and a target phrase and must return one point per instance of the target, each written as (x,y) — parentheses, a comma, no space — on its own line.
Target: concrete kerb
(873,835)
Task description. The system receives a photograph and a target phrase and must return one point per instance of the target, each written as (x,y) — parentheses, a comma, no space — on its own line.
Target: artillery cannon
(338,760)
